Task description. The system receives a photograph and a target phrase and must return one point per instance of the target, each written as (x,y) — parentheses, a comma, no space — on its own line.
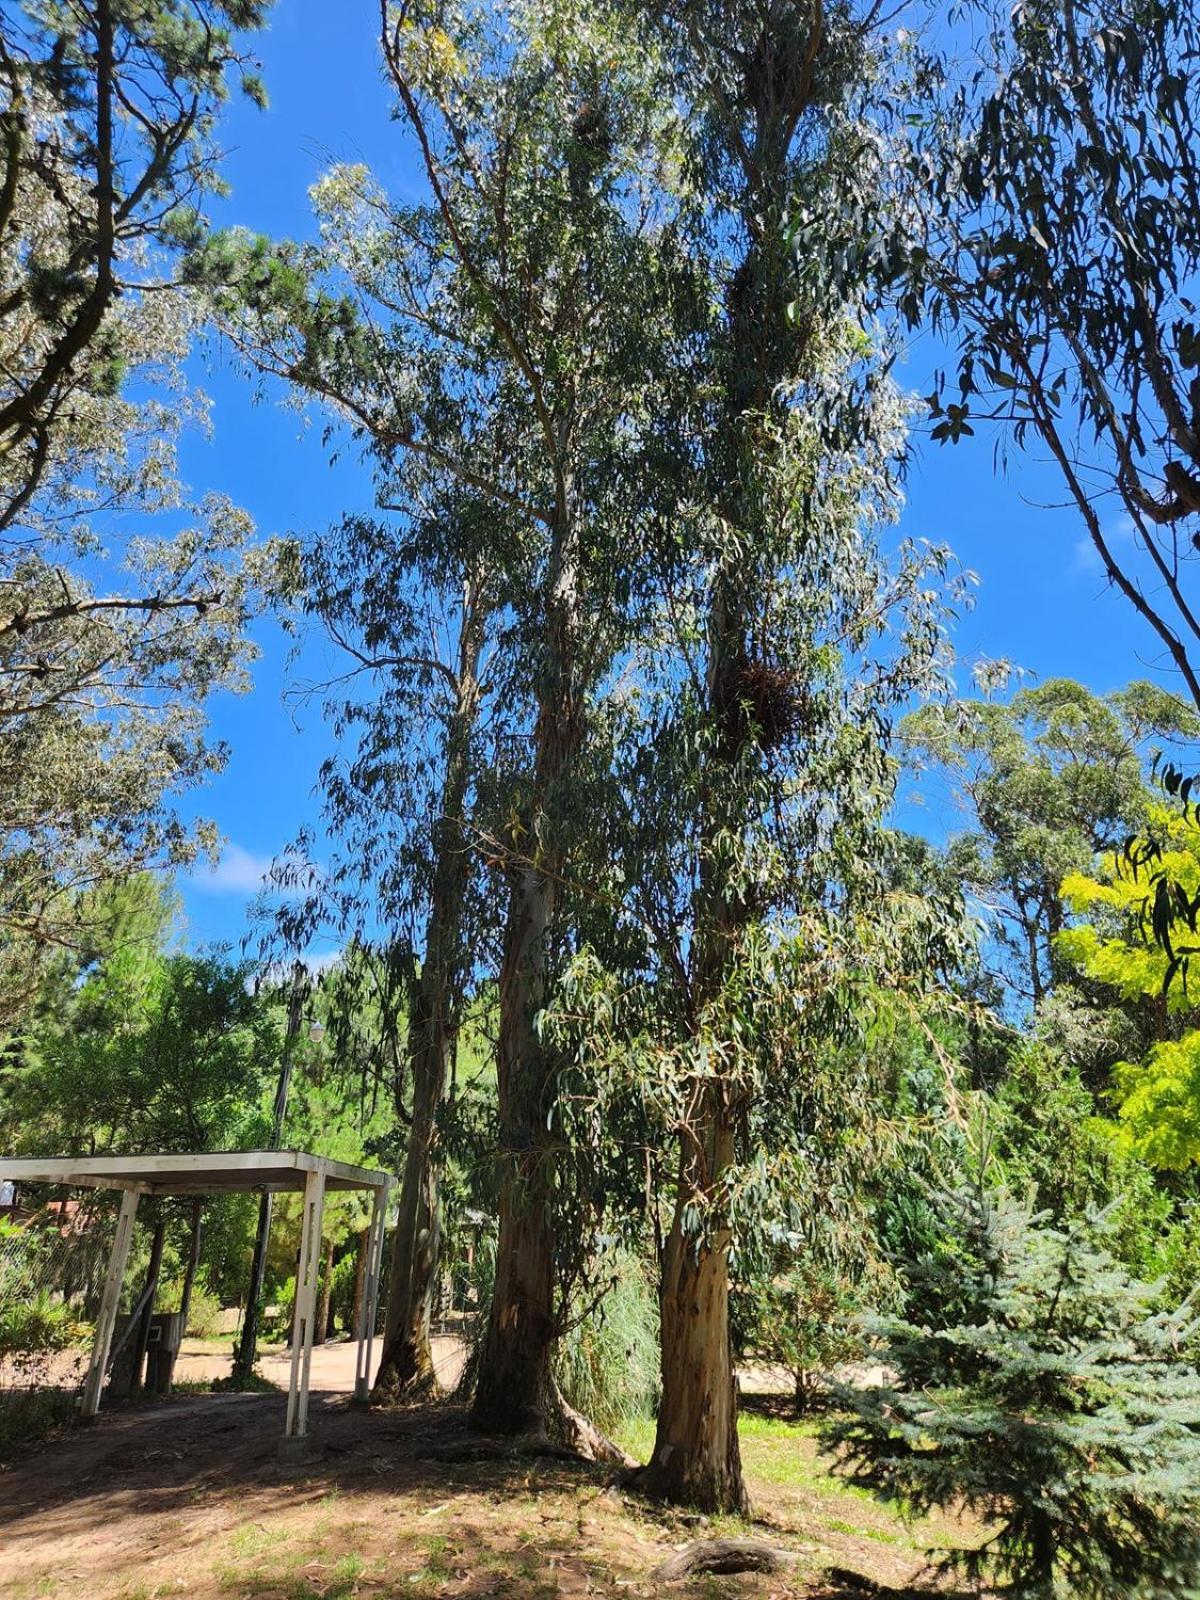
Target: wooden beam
(306,1305)
(362,1377)
(110,1302)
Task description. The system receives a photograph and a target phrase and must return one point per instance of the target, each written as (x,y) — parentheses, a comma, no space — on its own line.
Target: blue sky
(1041,602)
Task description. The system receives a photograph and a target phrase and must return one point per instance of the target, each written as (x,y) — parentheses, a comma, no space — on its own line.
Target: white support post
(110,1302)
(306,1305)
(362,1380)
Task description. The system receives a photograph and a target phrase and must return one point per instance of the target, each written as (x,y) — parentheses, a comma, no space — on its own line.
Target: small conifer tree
(1053,1401)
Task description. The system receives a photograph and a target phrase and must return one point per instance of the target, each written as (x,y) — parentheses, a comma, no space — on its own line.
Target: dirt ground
(202,1360)
(195,1497)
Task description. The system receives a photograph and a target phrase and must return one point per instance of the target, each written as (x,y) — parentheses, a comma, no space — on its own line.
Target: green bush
(32,1331)
(204,1312)
(35,1336)
(805,1320)
(341,1294)
(607,1364)
(1059,1407)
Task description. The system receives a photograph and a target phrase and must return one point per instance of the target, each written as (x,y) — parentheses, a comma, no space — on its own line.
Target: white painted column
(110,1302)
(306,1305)
(362,1380)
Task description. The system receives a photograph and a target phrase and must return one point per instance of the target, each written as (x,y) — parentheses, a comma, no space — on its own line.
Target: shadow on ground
(195,1497)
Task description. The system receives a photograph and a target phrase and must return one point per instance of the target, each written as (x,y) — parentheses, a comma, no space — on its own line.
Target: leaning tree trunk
(406,1366)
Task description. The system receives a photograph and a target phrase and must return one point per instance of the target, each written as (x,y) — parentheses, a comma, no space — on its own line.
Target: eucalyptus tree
(1049,780)
(121,604)
(1052,234)
(508,335)
(400,809)
(797,640)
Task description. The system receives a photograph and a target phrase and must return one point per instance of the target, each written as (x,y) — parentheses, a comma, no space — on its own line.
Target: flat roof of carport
(224,1172)
(218,1172)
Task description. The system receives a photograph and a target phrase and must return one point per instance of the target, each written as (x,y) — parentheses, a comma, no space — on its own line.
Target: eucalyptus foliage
(1037,204)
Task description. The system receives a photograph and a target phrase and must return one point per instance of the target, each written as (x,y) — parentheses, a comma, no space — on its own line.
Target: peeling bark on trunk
(406,1367)
(696,1459)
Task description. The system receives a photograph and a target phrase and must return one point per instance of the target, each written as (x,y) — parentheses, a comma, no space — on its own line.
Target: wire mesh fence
(51,1268)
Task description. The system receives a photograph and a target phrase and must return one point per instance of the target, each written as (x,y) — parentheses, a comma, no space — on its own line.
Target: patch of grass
(252,1539)
(437,1552)
(35,1588)
(254,1383)
(27,1415)
(636,1434)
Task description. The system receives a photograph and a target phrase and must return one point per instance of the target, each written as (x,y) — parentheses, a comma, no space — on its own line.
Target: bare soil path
(193,1497)
(202,1360)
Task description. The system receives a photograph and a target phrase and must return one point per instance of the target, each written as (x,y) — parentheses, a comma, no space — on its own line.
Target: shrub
(35,1336)
(1059,1407)
(204,1312)
(341,1294)
(804,1320)
(607,1364)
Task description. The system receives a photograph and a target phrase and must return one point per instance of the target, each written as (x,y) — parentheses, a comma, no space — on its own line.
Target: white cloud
(315,962)
(1119,538)
(237,872)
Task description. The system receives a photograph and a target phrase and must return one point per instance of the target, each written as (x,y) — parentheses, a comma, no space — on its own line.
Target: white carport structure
(227,1172)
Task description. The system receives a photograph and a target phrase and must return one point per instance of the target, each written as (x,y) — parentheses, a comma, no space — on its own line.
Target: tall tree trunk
(697,1460)
(515,1390)
(406,1366)
(193,1261)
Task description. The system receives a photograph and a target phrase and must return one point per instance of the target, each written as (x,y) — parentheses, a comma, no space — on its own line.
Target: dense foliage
(1053,1402)
(683,1052)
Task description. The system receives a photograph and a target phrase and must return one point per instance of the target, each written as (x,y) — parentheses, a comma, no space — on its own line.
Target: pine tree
(1052,1400)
